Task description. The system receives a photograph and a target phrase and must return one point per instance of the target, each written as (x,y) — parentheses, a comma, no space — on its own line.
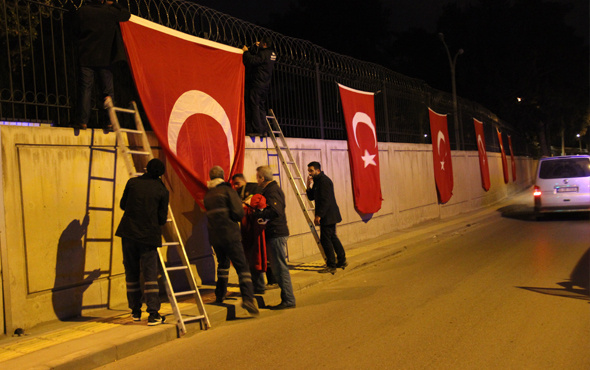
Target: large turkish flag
(504,161)
(483,155)
(441,155)
(359,113)
(512,162)
(192,91)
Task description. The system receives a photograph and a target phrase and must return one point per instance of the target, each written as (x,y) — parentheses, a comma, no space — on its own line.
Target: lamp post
(452,63)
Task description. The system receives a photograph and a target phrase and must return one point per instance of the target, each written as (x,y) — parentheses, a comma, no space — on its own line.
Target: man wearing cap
(145,202)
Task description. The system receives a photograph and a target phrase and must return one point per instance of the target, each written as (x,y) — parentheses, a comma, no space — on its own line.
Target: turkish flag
(441,154)
(483,155)
(359,113)
(512,162)
(192,91)
(504,161)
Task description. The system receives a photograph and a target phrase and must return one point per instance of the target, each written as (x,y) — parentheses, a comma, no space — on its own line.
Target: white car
(563,184)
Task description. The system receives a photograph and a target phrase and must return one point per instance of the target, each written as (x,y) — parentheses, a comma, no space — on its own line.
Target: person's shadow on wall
(70,284)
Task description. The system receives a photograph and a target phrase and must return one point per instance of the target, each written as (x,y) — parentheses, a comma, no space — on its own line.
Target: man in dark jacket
(224,211)
(145,202)
(277,234)
(97,29)
(259,64)
(327,215)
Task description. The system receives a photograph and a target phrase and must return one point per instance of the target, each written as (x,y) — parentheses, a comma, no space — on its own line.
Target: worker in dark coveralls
(145,202)
(224,211)
(327,214)
(277,233)
(96,26)
(259,62)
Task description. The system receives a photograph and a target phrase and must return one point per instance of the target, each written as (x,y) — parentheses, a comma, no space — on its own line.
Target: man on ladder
(145,202)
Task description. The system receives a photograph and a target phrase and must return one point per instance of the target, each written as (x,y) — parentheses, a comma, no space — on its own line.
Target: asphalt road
(495,295)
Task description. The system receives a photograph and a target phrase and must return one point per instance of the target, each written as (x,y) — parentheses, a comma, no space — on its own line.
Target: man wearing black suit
(327,214)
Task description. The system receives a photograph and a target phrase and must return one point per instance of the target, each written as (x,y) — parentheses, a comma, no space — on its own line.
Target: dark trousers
(257,100)
(331,244)
(141,258)
(87,75)
(233,252)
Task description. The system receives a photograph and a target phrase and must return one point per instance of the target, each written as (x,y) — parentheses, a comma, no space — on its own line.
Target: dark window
(560,168)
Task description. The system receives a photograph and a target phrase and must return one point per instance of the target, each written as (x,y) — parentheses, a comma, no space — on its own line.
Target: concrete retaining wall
(61,190)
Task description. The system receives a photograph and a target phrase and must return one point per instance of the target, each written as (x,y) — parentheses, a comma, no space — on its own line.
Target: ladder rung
(101,178)
(296,178)
(100,209)
(131,131)
(176,268)
(188,292)
(195,318)
(170,244)
(124,110)
(99,240)
(139,152)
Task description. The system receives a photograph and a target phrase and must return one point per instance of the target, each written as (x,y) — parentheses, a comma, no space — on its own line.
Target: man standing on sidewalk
(145,202)
(277,234)
(224,211)
(327,214)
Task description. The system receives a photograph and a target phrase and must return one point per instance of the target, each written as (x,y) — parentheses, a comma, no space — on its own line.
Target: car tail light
(537,192)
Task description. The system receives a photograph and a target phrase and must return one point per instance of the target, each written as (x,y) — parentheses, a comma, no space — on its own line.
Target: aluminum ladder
(174,233)
(297,181)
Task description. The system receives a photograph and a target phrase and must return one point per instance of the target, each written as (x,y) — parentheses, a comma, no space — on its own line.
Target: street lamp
(452,63)
(580,141)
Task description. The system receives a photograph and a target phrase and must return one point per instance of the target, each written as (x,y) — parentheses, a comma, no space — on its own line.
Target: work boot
(328,269)
(250,307)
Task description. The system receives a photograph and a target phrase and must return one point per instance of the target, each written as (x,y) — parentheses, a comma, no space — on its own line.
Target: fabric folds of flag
(483,155)
(441,154)
(192,91)
(359,113)
(512,162)
(504,160)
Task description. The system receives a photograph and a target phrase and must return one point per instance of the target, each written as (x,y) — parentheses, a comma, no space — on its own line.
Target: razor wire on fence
(38,77)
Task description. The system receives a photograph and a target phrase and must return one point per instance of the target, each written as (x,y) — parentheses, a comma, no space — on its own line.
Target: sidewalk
(111,334)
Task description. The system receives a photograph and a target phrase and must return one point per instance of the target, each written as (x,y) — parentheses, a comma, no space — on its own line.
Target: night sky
(405,14)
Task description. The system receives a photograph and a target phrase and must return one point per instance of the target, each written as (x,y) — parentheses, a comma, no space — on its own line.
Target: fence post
(320,108)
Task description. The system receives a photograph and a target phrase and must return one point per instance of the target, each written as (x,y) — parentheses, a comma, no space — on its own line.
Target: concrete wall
(61,190)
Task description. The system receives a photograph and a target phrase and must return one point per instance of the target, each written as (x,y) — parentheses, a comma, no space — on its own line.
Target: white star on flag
(369,159)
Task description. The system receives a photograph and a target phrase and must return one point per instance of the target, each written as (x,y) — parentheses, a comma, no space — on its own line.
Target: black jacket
(224,211)
(145,202)
(274,211)
(249,189)
(96,26)
(260,64)
(325,200)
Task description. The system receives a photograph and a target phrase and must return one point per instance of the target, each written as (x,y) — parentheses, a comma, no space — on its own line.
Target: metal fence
(38,76)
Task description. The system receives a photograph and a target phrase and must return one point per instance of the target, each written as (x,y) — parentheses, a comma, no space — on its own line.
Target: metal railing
(38,77)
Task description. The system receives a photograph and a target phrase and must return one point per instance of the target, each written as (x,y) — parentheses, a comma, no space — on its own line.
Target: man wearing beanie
(224,211)
(145,202)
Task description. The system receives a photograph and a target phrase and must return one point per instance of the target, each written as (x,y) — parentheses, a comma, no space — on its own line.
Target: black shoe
(282,306)
(219,299)
(155,319)
(342,265)
(250,307)
(327,269)
(136,315)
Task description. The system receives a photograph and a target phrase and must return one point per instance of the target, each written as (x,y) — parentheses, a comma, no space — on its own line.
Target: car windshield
(567,167)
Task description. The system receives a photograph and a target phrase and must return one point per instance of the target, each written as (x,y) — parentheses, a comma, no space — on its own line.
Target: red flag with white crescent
(504,161)
(512,162)
(192,91)
(441,154)
(359,113)
(483,155)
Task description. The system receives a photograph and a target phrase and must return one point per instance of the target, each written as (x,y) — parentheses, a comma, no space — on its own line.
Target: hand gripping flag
(483,155)
(512,162)
(359,113)
(441,154)
(192,91)
(504,161)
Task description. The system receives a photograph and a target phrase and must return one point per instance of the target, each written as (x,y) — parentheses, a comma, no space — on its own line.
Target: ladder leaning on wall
(174,233)
(292,170)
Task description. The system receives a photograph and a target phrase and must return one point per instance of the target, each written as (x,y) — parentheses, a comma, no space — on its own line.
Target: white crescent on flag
(441,137)
(361,117)
(197,102)
(481,146)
